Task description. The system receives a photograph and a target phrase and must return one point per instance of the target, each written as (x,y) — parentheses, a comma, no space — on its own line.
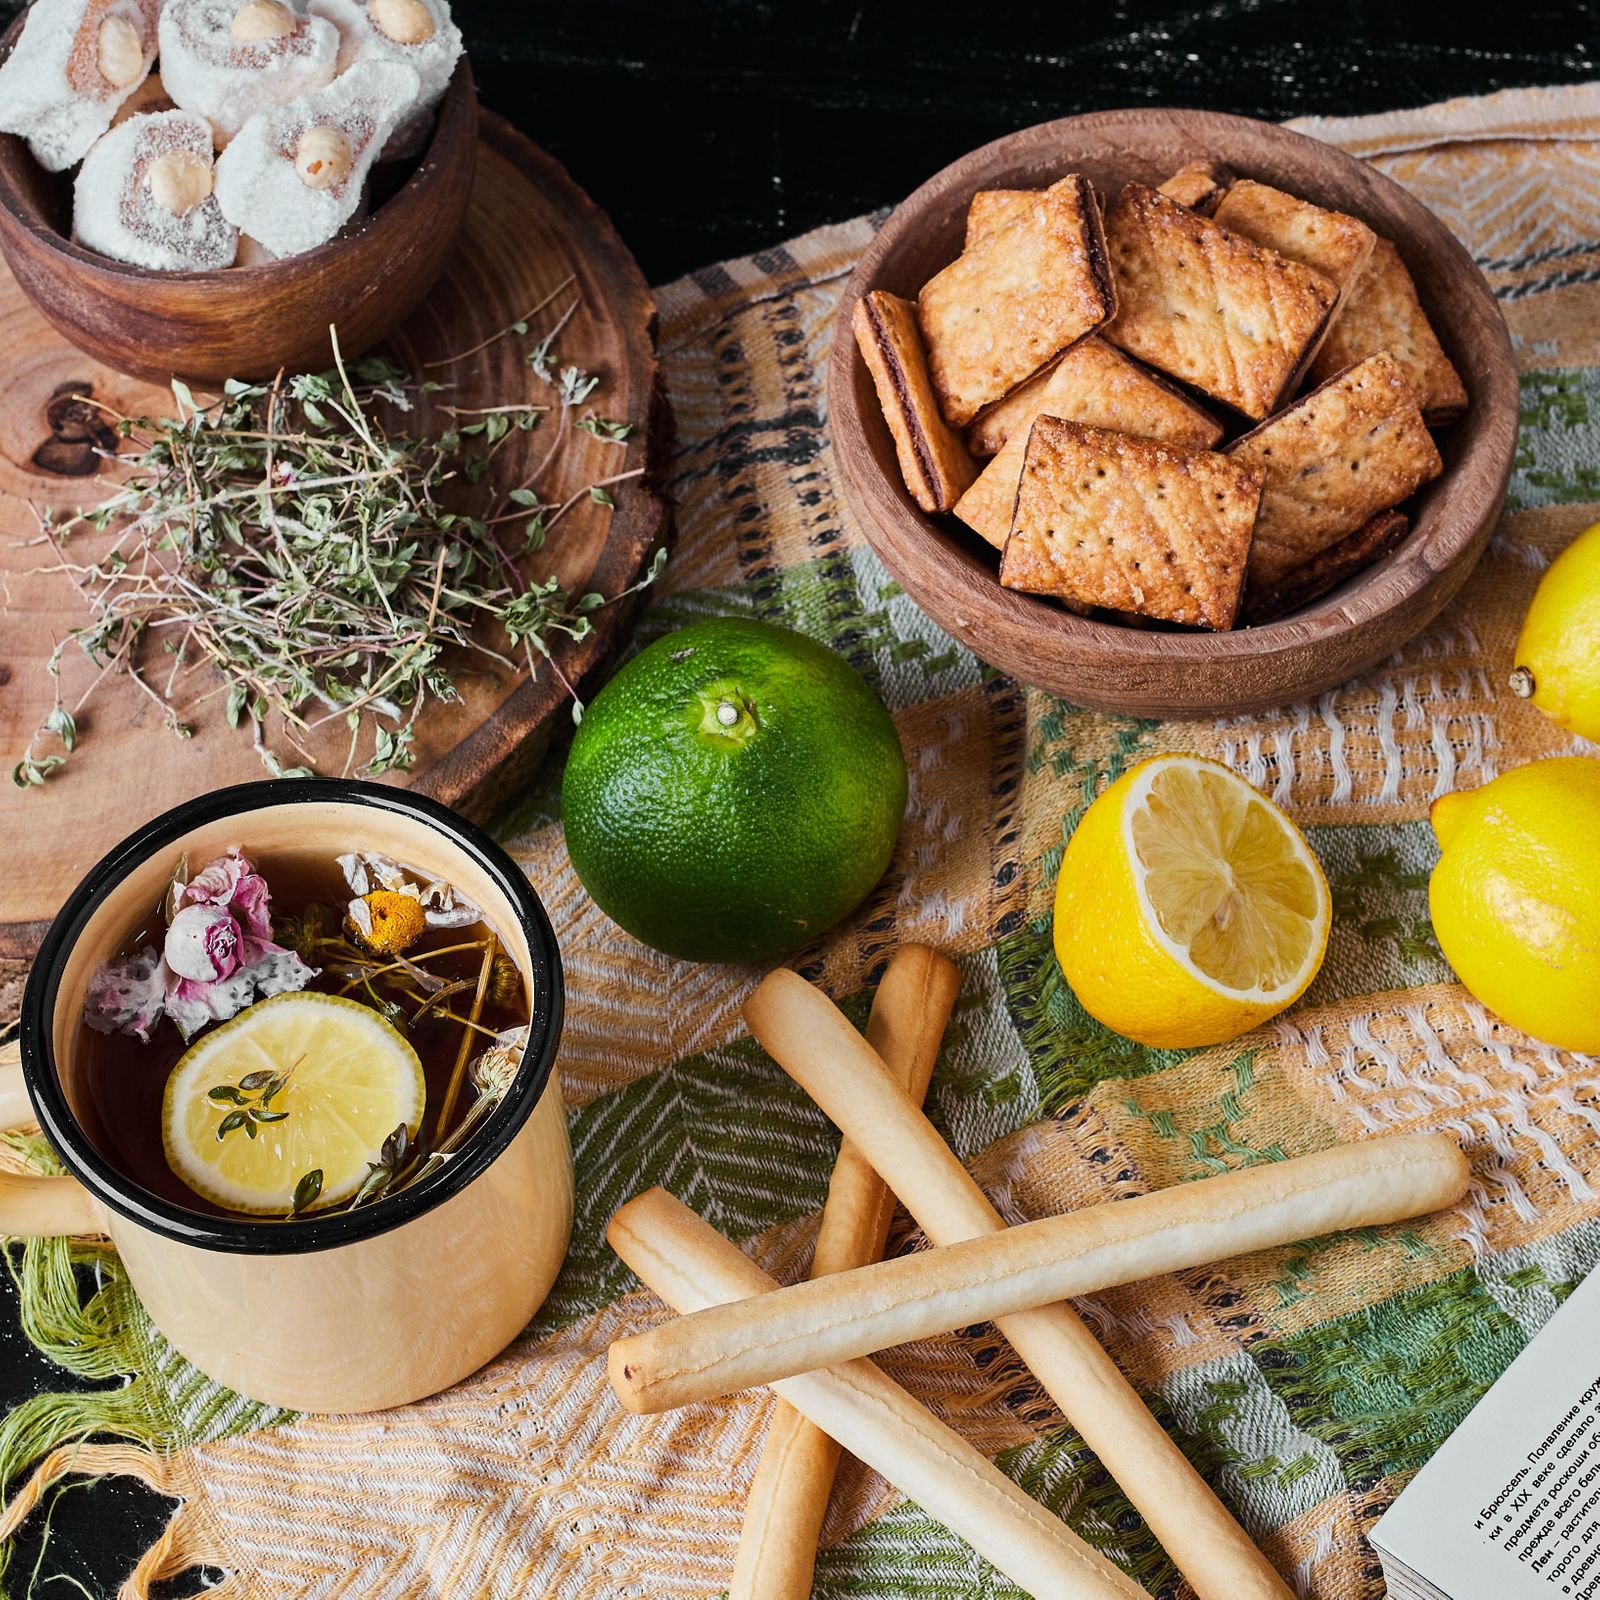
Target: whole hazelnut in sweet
(259,20)
(179,181)
(322,157)
(403,21)
(119,53)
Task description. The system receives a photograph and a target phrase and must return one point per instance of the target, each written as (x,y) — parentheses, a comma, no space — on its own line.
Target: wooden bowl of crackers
(1172,413)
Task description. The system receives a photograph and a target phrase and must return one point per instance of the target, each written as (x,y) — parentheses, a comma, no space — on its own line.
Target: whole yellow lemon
(1558,651)
(1516,897)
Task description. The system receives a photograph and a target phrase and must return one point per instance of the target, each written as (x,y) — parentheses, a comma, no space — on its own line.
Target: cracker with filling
(933,460)
(1384,313)
(1329,242)
(1095,384)
(1332,461)
(1208,307)
(1314,578)
(1199,185)
(1021,295)
(1104,519)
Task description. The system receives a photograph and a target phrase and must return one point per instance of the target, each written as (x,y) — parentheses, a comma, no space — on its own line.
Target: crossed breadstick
(809,1341)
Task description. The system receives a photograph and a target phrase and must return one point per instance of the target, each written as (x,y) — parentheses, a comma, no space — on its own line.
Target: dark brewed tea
(297,1035)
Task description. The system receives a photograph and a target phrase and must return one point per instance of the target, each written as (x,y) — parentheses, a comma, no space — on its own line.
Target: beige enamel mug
(347,1310)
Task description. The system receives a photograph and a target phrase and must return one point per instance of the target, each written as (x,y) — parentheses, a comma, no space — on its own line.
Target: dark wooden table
(746,122)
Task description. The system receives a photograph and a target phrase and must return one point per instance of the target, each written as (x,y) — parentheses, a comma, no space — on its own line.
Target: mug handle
(36,1207)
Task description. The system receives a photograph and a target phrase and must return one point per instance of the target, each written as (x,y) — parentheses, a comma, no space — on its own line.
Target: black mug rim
(318,1232)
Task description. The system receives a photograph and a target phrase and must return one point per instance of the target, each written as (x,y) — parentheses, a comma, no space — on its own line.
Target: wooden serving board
(530,227)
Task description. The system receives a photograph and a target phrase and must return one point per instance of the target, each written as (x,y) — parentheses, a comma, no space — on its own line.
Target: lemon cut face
(1229,884)
(350,1080)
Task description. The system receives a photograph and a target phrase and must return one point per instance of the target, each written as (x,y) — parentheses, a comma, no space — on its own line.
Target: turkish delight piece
(145,195)
(227,61)
(293,176)
(74,65)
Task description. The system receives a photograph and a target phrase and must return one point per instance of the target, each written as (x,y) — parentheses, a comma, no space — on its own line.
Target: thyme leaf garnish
(306,1191)
(252,1098)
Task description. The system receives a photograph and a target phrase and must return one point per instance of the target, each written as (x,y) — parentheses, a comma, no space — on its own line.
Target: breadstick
(993,1275)
(690,1265)
(815,1044)
(794,1477)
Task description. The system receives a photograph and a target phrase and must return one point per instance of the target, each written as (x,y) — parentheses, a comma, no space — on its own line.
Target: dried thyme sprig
(328,568)
(251,1098)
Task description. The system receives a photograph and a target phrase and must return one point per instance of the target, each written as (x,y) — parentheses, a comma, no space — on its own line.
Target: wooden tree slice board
(530,228)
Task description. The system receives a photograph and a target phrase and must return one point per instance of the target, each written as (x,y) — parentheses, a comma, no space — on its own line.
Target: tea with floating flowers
(290,1036)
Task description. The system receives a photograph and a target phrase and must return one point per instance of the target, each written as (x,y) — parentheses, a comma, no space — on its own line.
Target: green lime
(732,792)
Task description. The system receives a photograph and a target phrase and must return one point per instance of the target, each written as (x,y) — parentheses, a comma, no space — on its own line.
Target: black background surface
(711,129)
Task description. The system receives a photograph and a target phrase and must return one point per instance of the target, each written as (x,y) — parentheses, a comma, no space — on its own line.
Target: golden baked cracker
(1014,301)
(1095,384)
(1333,460)
(1208,307)
(1384,313)
(1199,185)
(1314,578)
(1100,386)
(1104,519)
(933,460)
(991,429)
(990,208)
(1329,242)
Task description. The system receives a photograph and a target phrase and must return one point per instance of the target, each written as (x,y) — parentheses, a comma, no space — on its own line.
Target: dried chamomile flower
(392,904)
(393,921)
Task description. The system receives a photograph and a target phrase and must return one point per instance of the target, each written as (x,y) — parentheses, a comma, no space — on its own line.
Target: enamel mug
(343,1311)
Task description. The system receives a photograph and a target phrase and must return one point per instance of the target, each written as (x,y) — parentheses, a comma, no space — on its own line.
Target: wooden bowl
(951,573)
(243,322)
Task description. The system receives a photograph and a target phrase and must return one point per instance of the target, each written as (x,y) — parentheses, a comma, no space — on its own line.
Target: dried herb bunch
(331,569)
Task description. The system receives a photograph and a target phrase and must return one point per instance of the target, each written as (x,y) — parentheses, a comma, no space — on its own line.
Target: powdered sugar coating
(227,80)
(434,60)
(114,212)
(257,185)
(52,91)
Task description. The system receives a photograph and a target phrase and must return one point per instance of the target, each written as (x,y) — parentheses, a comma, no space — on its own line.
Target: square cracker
(1333,460)
(989,432)
(1199,185)
(1095,384)
(933,460)
(1314,578)
(1384,313)
(1329,242)
(1014,301)
(989,208)
(1104,519)
(1207,306)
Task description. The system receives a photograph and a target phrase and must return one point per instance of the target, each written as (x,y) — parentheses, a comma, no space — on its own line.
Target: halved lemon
(349,1080)
(1189,908)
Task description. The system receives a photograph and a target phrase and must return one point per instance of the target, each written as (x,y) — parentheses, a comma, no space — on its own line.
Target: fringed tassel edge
(185,1542)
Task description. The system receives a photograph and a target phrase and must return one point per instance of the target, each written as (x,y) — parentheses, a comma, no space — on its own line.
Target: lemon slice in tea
(336,1080)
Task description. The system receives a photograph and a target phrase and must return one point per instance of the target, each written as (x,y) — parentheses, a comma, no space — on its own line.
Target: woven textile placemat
(1308,1383)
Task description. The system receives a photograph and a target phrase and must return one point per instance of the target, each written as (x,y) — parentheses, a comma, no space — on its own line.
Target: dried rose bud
(204,943)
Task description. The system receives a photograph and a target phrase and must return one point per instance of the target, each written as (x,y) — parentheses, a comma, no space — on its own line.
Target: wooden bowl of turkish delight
(209,189)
